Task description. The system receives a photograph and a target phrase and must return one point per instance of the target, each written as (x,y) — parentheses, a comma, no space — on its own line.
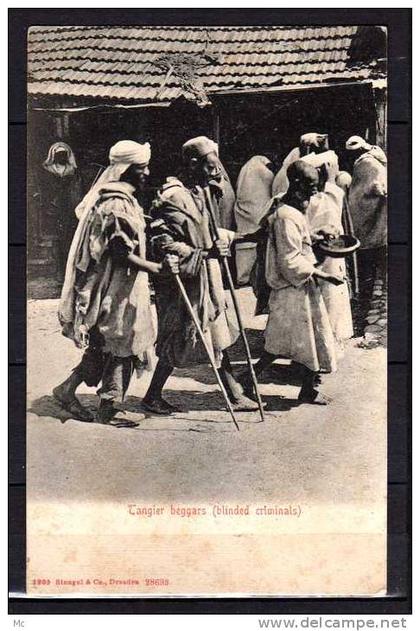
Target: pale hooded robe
(325,213)
(253,194)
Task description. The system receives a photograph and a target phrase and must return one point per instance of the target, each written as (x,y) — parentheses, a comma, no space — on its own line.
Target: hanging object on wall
(184,69)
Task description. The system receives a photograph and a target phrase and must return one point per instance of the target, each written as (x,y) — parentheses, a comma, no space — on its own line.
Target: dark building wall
(246,125)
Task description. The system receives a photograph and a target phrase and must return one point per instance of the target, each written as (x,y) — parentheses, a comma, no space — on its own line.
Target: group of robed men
(105,305)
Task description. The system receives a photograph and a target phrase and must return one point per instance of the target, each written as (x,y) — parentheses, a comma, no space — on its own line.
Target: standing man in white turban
(368,192)
(105,302)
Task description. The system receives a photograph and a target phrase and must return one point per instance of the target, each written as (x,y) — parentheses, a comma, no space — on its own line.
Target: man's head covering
(370,151)
(311,141)
(199,147)
(129,152)
(69,167)
(357,142)
(121,156)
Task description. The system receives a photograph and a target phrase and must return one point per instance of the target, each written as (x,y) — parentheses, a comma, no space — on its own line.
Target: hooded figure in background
(253,194)
(309,143)
(61,192)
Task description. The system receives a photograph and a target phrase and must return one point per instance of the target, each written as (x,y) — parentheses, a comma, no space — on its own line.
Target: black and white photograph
(207,310)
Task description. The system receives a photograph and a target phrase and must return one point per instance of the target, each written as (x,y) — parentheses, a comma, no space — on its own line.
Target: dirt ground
(305,452)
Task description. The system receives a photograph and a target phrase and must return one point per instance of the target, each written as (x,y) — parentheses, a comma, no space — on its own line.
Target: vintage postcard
(207,310)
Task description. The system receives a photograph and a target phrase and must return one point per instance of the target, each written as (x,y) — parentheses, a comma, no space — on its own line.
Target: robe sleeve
(293,265)
(333,193)
(373,175)
(325,209)
(169,237)
(110,232)
(378,186)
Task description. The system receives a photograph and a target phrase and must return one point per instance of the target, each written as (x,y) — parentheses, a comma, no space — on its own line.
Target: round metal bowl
(339,247)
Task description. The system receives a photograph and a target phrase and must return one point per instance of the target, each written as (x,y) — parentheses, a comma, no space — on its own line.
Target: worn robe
(298,325)
(181,216)
(225,203)
(281,181)
(368,199)
(103,291)
(325,212)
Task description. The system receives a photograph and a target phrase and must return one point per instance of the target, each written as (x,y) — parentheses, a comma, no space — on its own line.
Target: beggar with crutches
(182,225)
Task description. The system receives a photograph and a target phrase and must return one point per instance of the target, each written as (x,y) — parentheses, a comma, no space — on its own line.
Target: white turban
(312,141)
(313,138)
(129,152)
(357,142)
(199,147)
(121,155)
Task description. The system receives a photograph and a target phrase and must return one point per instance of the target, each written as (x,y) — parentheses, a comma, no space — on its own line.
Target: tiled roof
(153,64)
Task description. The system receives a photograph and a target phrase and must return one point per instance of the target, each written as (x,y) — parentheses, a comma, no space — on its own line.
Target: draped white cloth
(368,198)
(281,182)
(253,194)
(325,212)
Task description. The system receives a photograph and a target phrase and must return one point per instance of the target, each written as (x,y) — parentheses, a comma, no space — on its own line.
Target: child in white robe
(298,325)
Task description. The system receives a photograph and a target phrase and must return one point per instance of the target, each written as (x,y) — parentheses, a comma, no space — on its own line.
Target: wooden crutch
(206,346)
(225,262)
(347,219)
